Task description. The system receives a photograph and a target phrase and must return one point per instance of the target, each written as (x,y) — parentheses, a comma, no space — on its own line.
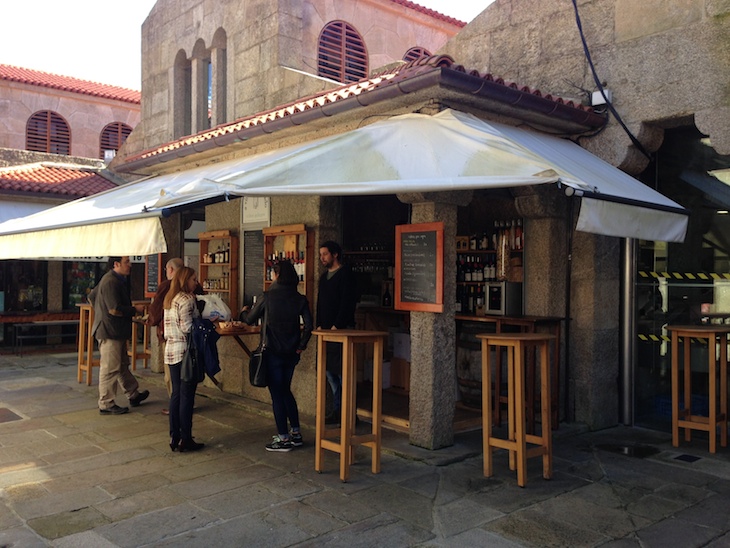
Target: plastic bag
(215,309)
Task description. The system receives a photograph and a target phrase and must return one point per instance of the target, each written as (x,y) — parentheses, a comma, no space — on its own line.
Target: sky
(99,40)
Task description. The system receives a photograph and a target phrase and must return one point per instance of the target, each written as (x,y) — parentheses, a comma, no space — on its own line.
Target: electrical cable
(616,115)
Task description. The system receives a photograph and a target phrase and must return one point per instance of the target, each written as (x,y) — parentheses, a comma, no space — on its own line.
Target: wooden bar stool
(517,436)
(347,439)
(715,335)
(134,353)
(86,360)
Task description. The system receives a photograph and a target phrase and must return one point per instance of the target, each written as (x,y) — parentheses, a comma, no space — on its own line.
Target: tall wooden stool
(347,439)
(517,437)
(134,352)
(715,335)
(86,360)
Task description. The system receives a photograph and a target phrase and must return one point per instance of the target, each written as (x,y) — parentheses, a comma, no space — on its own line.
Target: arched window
(113,137)
(342,55)
(47,131)
(416,53)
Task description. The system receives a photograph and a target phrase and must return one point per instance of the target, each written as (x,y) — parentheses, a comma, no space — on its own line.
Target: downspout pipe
(627,341)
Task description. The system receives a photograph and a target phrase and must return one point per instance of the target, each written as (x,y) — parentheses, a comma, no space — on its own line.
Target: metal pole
(626,334)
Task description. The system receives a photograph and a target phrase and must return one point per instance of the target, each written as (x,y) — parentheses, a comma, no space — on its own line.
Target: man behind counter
(336,302)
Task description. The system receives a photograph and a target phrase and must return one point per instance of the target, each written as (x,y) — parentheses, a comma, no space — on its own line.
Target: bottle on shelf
(387,298)
(519,236)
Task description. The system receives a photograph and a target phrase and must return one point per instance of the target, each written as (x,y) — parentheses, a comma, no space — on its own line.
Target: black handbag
(257,363)
(191,369)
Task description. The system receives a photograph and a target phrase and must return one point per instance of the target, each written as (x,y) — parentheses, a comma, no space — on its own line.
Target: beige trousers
(114,372)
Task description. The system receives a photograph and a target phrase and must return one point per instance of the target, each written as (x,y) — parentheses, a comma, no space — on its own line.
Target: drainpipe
(627,341)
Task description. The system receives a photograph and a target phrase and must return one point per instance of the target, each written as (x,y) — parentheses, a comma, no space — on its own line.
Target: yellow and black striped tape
(665,338)
(704,276)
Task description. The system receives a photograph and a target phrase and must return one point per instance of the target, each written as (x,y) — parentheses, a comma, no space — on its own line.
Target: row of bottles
(223,283)
(296,258)
(469,299)
(371,266)
(509,231)
(220,256)
(476,268)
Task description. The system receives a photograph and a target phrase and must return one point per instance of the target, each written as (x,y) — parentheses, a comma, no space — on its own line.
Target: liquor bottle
(484,242)
(227,254)
(519,237)
(457,306)
(467,270)
(478,271)
(387,299)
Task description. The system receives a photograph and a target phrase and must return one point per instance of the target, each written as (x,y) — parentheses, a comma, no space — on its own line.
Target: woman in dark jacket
(285,339)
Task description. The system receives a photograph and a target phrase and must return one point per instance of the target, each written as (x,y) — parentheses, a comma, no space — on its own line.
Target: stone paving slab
(70,477)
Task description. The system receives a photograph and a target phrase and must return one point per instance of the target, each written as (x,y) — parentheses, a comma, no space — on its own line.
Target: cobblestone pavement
(72,478)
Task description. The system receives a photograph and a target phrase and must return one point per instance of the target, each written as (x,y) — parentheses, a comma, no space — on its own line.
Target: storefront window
(24,285)
(681,284)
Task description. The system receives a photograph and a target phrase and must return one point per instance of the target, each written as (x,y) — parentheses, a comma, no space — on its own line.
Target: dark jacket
(283,306)
(113,310)
(205,339)
(337,299)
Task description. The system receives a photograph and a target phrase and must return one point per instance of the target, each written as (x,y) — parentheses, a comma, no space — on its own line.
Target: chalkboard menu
(253,265)
(152,274)
(419,265)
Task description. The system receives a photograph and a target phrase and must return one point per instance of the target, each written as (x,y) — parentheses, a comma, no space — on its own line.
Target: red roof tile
(223,134)
(56,179)
(430,12)
(67,83)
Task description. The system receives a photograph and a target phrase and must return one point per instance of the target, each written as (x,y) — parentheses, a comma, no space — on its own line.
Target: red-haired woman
(180,309)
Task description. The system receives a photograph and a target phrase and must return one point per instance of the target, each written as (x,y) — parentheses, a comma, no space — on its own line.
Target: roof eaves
(405,79)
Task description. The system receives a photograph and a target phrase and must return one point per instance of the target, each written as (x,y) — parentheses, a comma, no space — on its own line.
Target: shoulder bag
(191,370)
(257,363)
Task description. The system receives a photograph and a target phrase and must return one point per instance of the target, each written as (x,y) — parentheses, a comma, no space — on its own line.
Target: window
(113,137)
(47,131)
(342,55)
(416,53)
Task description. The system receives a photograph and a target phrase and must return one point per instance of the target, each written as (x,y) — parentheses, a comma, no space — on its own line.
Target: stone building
(215,91)
(538,45)
(54,131)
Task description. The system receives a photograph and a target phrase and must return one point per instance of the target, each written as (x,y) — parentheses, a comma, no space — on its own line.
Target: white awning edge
(630,221)
(142,236)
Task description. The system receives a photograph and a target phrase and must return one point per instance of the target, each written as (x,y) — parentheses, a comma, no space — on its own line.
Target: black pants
(182,401)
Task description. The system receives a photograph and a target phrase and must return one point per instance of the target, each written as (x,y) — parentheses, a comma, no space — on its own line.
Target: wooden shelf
(220,277)
(293,241)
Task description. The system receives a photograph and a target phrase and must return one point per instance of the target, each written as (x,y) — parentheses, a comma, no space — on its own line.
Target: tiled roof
(56,179)
(67,83)
(430,12)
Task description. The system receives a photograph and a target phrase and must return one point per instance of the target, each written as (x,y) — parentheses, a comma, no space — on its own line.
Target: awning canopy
(410,153)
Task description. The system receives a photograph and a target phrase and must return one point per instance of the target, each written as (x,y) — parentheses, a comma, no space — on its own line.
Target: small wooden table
(715,335)
(348,440)
(517,437)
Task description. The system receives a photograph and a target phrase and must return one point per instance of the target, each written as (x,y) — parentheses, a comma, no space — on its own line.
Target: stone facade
(86,115)
(252,46)
(666,63)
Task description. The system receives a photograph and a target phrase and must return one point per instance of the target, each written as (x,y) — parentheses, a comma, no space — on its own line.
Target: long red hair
(179,284)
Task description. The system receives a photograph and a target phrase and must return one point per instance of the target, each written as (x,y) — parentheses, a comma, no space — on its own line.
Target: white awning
(409,153)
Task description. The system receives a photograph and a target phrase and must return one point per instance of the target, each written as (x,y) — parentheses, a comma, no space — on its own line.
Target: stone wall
(666,63)
(86,115)
(261,38)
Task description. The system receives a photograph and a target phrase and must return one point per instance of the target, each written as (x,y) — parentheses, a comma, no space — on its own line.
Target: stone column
(433,348)
(199,99)
(218,95)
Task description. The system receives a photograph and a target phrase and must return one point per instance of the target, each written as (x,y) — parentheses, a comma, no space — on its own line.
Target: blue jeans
(182,401)
(279,374)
